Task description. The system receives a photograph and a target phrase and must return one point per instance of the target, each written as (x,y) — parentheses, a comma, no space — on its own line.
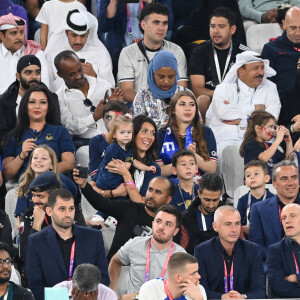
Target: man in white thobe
(244,89)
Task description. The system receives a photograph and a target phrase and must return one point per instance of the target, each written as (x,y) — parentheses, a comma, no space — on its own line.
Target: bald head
(290,217)
(224,209)
(292,24)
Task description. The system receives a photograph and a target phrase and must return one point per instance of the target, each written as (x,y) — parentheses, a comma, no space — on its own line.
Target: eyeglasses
(88,102)
(8,261)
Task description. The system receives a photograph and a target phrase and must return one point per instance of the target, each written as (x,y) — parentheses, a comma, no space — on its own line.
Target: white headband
(7,26)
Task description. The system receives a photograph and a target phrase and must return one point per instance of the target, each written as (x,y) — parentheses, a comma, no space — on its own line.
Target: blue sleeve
(203,271)
(252,151)
(148,177)
(275,272)
(102,263)
(256,234)
(66,143)
(69,184)
(95,153)
(242,208)
(105,24)
(9,149)
(34,270)
(210,143)
(257,286)
(22,204)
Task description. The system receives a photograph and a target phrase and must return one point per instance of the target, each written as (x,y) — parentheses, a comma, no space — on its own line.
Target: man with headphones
(198,218)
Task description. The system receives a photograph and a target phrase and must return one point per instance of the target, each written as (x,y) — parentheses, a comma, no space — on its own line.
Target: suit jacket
(265,226)
(45,264)
(248,275)
(281,263)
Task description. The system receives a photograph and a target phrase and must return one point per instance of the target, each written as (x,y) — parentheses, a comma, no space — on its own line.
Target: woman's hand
(28,146)
(120,191)
(280,133)
(192,147)
(81,182)
(117,166)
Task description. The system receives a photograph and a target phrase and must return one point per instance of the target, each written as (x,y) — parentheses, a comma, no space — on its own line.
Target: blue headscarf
(161,59)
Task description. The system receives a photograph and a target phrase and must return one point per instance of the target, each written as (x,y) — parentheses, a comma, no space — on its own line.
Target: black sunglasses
(88,102)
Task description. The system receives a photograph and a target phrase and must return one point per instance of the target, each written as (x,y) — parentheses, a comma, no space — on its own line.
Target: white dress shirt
(76,116)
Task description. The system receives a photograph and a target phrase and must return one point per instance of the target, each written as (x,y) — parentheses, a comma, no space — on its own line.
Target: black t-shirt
(132,217)
(202,61)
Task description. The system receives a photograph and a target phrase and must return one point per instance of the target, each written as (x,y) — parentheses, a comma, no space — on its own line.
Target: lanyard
(72,260)
(186,203)
(225,276)
(296,265)
(203,221)
(279,208)
(148,261)
(128,17)
(167,290)
(46,220)
(249,204)
(217,63)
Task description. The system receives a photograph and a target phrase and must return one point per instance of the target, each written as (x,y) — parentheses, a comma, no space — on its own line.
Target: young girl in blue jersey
(119,137)
(259,133)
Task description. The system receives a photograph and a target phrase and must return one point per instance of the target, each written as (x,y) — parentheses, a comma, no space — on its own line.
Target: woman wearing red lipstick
(185,131)
(37,124)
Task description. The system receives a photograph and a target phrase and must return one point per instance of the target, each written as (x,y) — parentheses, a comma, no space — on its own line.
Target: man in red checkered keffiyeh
(10,21)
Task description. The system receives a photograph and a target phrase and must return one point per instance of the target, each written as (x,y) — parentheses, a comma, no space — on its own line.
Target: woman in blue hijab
(154,100)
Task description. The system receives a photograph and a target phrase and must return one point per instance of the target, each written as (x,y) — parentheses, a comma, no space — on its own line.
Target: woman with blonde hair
(42,159)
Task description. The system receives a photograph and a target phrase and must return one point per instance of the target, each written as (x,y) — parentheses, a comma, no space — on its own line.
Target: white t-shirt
(53,13)
(154,289)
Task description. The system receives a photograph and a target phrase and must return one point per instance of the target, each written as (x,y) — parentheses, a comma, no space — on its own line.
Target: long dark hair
(197,132)
(23,121)
(138,122)
(260,118)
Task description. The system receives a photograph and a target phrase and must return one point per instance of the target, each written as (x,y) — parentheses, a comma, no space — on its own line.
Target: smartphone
(83,172)
(82,60)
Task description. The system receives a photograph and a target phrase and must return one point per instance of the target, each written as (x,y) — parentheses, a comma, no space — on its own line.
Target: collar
(245,88)
(6,51)
(224,252)
(282,205)
(292,242)
(286,40)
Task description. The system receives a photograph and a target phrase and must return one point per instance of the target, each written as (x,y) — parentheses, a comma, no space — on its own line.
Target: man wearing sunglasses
(81,98)
(8,289)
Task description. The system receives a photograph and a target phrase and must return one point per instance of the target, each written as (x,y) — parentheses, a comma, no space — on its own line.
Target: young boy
(184,166)
(256,177)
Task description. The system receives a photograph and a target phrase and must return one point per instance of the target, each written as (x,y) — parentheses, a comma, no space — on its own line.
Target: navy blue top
(243,203)
(97,147)
(254,148)
(179,198)
(105,179)
(25,201)
(56,137)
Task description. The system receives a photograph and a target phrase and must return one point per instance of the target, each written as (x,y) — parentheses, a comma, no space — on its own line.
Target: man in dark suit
(230,267)
(55,252)
(265,220)
(283,259)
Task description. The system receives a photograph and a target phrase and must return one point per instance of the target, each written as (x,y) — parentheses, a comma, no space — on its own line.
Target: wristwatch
(137,297)
(245,296)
